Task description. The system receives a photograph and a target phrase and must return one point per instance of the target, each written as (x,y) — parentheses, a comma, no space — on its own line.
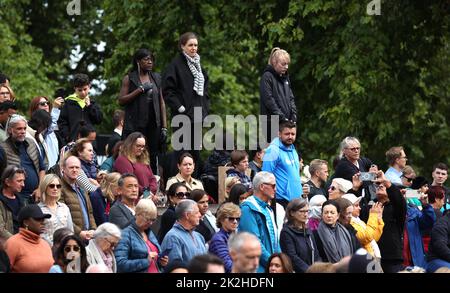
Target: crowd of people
(63,212)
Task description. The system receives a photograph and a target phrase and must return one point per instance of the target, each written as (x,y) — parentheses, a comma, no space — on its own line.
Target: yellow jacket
(368,234)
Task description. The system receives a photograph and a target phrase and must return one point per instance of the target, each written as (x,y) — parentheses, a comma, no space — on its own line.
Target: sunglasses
(232,219)
(407,178)
(332,187)
(55,185)
(69,248)
(273,185)
(44,103)
(182,194)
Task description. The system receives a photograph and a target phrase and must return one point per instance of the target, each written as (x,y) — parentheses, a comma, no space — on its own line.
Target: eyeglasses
(332,187)
(354,149)
(379,186)
(273,185)
(5,93)
(111,243)
(182,194)
(407,178)
(55,185)
(44,103)
(232,219)
(140,146)
(69,248)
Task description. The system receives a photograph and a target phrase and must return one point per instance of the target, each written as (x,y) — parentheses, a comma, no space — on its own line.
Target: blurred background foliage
(384,79)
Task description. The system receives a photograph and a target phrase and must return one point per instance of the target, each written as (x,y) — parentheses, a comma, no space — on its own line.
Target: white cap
(352,198)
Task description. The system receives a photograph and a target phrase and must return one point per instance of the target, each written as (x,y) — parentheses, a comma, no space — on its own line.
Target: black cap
(6,105)
(362,262)
(31,211)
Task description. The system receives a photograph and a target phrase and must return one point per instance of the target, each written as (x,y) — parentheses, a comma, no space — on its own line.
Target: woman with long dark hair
(145,110)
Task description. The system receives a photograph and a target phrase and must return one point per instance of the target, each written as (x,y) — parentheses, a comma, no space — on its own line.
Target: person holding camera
(145,110)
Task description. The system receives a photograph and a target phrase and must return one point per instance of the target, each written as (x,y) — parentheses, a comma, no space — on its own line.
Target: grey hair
(146,207)
(344,144)
(106,230)
(184,206)
(14,119)
(260,178)
(237,240)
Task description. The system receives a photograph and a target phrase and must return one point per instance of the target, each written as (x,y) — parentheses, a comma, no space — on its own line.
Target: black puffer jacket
(440,240)
(276,95)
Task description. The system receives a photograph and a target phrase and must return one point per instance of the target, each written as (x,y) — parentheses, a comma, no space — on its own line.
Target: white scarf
(196,70)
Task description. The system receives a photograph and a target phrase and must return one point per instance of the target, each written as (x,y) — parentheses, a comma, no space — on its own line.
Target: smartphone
(412,193)
(367,176)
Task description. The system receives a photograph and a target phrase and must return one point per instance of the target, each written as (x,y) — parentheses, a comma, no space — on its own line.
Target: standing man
(23,152)
(78,109)
(77,199)
(440,175)
(394,215)
(319,176)
(245,251)
(258,218)
(397,159)
(123,212)
(282,160)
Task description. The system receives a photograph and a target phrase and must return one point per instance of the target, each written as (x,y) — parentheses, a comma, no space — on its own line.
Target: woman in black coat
(296,239)
(145,110)
(275,91)
(185,89)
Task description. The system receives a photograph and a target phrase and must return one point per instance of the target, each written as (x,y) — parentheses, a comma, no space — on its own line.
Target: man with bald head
(77,199)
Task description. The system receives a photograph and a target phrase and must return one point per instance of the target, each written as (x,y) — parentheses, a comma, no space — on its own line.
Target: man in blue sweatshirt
(282,160)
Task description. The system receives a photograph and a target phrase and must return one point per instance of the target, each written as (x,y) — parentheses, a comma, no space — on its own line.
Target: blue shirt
(32,178)
(181,244)
(394,176)
(283,162)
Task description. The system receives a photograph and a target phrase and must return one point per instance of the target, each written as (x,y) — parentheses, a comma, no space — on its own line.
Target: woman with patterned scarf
(185,89)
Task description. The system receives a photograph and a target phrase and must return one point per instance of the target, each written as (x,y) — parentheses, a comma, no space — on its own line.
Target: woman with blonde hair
(6,93)
(103,198)
(276,96)
(134,159)
(50,189)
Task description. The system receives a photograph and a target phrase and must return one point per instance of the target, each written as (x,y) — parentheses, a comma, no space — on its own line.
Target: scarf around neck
(196,70)
(336,241)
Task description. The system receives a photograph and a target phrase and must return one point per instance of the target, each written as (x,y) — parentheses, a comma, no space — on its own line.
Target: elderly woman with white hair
(101,247)
(50,189)
(139,250)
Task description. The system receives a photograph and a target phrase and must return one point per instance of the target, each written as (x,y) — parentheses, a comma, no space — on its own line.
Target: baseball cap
(31,211)
(352,198)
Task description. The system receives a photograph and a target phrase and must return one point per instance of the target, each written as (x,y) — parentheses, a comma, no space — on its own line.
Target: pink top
(144,174)
(153,268)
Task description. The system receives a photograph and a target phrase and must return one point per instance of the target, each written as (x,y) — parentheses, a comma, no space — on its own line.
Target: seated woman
(108,164)
(85,152)
(367,234)
(296,240)
(345,217)
(27,251)
(134,159)
(101,247)
(139,250)
(176,192)
(50,188)
(315,211)
(6,93)
(70,257)
(207,225)
(103,198)
(279,263)
(239,161)
(238,193)
(333,240)
(228,216)
(338,188)
(186,166)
